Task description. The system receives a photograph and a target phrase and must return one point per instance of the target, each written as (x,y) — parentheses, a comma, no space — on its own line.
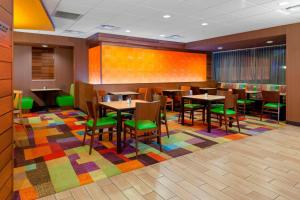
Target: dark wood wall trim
(6,119)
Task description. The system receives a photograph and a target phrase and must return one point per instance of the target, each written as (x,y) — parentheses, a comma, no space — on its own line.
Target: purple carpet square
(214,133)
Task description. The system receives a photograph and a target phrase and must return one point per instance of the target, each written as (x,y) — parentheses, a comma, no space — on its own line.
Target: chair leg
(278,115)
(92,141)
(192,113)
(110,132)
(172,106)
(261,114)
(136,145)
(238,122)
(124,137)
(220,120)
(225,119)
(244,110)
(100,134)
(84,136)
(159,140)
(203,115)
(167,129)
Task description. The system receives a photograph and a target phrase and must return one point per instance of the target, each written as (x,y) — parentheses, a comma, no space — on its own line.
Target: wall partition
(111,64)
(255,65)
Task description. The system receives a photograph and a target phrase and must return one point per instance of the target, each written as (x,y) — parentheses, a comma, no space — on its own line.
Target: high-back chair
(144,92)
(271,103)
(242,101)
(146,124)
(190,107)
(94,123)
(163,109)
(169,101)
(66,100)
(228,111)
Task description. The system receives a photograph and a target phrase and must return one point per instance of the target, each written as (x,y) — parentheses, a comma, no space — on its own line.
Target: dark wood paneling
(3,105)
(4,137)
(5,88)
(6,190)
(42,63)
(5,121)
(7,5)
(6,173)
(5,157)
(5,70)
(6,54)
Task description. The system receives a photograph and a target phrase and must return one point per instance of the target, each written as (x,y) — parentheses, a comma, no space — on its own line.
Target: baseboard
(293,123)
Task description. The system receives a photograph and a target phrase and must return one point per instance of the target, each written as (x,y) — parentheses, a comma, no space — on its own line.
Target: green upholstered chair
(27,103)
(94,123)
(163,110)
(228,111)
(271,103)
(113,114)
(66,100)
(191,107)
(146,123)
(242,102)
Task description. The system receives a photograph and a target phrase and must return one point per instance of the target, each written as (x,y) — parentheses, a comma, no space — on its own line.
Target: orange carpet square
(130,165)
(37,152)
(235,136)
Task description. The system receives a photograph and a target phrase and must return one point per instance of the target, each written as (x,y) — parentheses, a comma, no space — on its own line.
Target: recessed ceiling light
(127,31)
(44,45)
(269,42)
(204,24)
(162,35)
(174,37)
(284,67)
(283,3)
(166,16)
(108,27)
(220,48)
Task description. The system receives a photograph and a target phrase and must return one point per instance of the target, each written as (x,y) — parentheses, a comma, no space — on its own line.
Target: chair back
(163,101)
(230,101)
(147,111)
(241,93)
(271,96)
(195,90)
(92,112)
(212,92)
(185,88)
(100,94)
(222,92)
(18,94)
(72,90)
(144,93)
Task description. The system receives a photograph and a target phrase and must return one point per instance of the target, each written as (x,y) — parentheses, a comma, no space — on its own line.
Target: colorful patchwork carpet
(49,157)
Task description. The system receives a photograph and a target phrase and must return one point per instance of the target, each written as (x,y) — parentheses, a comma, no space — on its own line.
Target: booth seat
(66,100)
(27,103)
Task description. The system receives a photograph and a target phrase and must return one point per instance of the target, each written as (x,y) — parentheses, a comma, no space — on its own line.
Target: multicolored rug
(49,157)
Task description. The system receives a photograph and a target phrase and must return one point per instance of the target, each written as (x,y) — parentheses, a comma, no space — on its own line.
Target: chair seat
(245,101)
(192,106)
(27,103)
(141,125)
(274,105)
(220,110)
(114,114)
(65,100)
(104,121)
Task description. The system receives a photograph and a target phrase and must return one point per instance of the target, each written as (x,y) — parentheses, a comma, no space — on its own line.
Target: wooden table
(204,98)
(43,93)
(172,90)
(119,106)
(124,94)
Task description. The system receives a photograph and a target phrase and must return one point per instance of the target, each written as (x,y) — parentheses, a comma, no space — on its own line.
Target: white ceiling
(144,18)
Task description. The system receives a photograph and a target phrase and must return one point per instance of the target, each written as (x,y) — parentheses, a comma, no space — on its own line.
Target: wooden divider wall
(6,116)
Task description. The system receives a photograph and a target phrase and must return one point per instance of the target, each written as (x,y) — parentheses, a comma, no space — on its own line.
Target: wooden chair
(195,90)
(242,101)
(94,123)
(228,111)
(144,92)
(146,124)
(191,107)
(169,102)
(271,103)
(163,110)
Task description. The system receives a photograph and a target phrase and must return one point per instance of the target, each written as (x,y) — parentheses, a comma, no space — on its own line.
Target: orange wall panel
(95,65)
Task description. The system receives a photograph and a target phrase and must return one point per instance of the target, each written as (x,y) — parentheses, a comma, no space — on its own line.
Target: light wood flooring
(261,167)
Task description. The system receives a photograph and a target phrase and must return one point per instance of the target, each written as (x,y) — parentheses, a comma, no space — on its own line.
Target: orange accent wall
(95,65)
(138,65)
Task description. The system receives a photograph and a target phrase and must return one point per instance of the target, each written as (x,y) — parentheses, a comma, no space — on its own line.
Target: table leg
(182,111)
(119,132)
(208,117)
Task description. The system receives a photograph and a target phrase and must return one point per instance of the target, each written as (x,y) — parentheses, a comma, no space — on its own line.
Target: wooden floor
(261,167)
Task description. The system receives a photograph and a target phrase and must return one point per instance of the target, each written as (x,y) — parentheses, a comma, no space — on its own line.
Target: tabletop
(45,90)
(121,105)
(208,88)
(205,97)
(124,93)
